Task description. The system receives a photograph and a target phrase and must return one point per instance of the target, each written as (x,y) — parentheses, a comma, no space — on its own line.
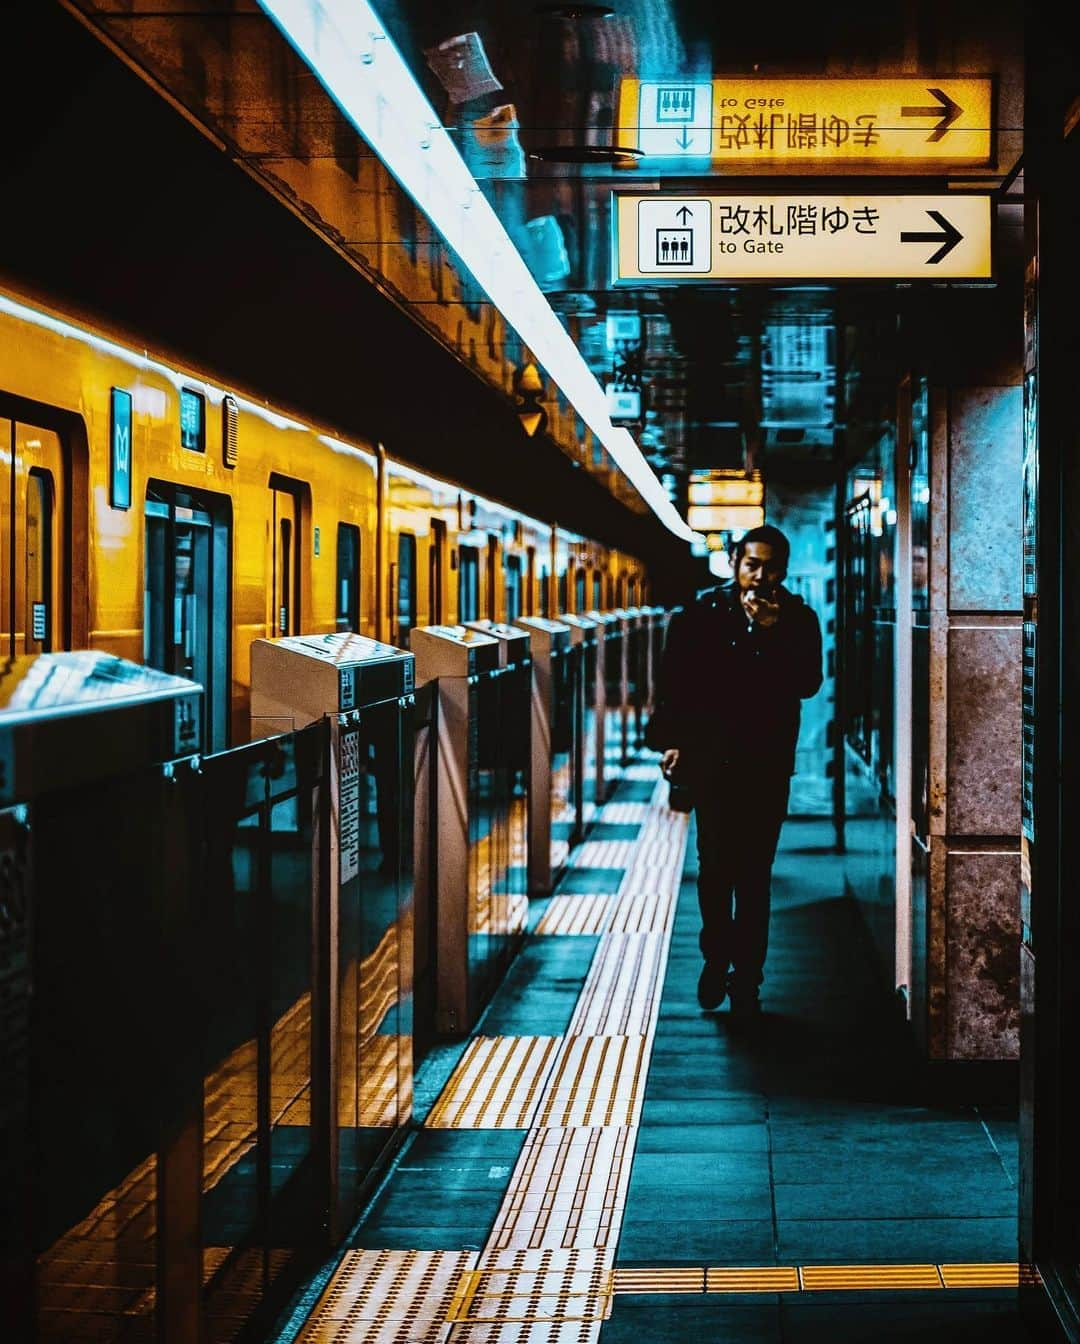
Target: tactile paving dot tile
(497,1084)
(388,1297)
(568,1190)
(534,1287)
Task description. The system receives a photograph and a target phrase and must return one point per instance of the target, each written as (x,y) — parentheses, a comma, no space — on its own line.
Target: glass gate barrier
(96,952)
(510,894)
(583,653)
(363,691)
(551,817)
(473,808)
(607,671)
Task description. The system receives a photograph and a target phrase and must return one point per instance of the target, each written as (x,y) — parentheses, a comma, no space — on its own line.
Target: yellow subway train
(148,510)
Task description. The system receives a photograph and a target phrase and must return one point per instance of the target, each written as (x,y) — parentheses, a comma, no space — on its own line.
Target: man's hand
(670,760)
(763,611)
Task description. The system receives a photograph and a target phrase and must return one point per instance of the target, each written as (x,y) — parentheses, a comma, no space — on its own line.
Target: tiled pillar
(975,696)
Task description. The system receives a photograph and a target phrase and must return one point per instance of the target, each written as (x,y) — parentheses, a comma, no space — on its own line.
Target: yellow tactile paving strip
(576,915)
(605,854)
(384,1297)
(811,1278)
(623,988)
(497,1084)
(597,1080)
(641,911)
(568,1190)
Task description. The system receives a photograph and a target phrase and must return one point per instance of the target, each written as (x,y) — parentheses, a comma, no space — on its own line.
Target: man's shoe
(711,986)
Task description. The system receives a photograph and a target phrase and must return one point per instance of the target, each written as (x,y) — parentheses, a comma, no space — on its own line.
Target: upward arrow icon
(683,214)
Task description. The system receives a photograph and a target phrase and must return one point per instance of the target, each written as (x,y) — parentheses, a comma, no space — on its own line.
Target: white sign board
(747,236)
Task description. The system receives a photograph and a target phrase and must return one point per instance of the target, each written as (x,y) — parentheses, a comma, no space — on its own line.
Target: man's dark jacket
(728,693)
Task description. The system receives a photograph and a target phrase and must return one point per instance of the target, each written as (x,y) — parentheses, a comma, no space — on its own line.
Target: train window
(490,577)
(530,581)
(348,577)
(597,590)
(186,596)
(513,587)
(468,583)
(545,594)
(610,593)
(406,587)
(580,602)
(192,420)
(564,594)
(436,551)
(631,592)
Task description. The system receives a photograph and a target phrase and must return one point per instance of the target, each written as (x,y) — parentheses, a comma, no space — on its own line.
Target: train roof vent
(230,419)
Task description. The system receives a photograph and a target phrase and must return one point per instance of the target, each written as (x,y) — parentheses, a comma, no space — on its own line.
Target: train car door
(186,596)
(436,548)
(33,532)
(285,564)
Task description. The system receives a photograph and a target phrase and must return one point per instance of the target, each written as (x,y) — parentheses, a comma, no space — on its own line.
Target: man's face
(758,568)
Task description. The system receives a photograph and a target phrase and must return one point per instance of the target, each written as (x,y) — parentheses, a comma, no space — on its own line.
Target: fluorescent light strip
(347,47)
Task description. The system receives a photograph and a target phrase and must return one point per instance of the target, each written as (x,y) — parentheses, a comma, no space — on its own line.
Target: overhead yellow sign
(770,122)
(802,236)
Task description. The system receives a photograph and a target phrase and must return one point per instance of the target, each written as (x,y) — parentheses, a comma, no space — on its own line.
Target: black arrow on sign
(684,141)
(945,105)
(683,213)
(949,236)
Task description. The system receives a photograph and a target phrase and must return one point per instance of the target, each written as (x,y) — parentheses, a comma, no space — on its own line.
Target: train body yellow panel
(165,517)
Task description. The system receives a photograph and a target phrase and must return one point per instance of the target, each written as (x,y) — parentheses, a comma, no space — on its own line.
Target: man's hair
(769,536)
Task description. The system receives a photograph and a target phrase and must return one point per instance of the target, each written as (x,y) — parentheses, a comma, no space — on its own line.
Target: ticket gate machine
(608,644)
(552,740)
(515,740)
(474,939)
(364,691)
(583,641)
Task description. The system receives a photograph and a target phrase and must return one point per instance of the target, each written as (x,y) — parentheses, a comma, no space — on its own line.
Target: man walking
(737,662)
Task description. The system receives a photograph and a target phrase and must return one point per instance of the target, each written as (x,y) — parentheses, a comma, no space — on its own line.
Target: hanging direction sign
(770,122)
(675,119)
(748,236)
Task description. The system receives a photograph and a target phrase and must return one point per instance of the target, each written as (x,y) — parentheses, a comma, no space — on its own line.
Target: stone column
(975,697)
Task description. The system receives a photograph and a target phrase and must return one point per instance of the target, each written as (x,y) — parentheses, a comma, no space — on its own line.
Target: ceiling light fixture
(347,47)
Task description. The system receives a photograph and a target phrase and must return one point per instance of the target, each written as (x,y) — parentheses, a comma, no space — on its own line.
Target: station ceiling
(731,375)
(535,94)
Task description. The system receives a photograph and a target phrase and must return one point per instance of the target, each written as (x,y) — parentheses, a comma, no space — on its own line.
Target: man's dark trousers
(737,838)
